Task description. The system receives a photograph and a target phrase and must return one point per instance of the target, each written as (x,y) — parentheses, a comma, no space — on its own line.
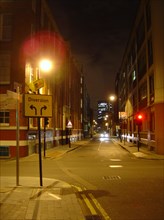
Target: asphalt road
(110,182)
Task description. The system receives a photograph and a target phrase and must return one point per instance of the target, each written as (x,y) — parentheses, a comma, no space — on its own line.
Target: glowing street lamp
(112,98)
(45,65)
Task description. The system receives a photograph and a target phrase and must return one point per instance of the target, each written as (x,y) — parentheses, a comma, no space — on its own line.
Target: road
(110,182)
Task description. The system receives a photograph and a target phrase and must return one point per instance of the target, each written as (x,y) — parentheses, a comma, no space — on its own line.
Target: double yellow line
(94,201)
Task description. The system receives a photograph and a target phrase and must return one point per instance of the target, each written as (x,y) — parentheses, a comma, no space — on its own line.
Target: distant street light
(112,98)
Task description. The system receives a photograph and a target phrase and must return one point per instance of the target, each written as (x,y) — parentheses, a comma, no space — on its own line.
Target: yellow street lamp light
(45,65)
(112,98)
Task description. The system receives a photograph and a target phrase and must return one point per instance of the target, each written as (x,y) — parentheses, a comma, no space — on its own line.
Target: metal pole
(69,141)
(44,141)
(40,152)
(138,141)
(124,131)
(40,144)
(17,138)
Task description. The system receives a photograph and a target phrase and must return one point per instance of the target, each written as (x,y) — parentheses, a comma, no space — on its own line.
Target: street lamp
(112,98)
(45,66)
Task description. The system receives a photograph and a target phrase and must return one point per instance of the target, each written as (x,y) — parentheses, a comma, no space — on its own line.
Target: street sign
(37,84)
(69,124)
(9,100)
(37,105)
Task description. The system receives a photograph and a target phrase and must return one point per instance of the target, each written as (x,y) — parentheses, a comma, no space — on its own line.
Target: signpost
(39,106)
(69,127)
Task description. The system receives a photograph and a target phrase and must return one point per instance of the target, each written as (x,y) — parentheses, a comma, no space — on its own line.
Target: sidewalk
(55,200)
(142,153)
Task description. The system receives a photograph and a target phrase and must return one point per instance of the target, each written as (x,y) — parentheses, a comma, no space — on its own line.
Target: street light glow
(112,98)
(45,65)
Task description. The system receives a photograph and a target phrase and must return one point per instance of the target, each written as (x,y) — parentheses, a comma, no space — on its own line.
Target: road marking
(115,166)
(89,205)
(99,207)
(115,160)
(95,202)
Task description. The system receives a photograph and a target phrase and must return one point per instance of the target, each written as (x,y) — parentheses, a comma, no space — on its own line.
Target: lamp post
(44,65)
(112,98)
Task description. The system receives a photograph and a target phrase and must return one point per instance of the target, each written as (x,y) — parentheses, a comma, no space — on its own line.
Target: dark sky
(98,32)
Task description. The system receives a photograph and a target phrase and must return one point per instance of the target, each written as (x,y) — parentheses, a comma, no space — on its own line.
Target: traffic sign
(37,105)
(69,124)
(37,84)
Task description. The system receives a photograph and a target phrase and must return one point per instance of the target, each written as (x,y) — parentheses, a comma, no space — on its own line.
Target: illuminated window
(134,75)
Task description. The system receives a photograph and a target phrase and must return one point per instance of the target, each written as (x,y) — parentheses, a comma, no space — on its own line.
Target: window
(133,79)
(151,88)
(150,53)
(133,52)
(140,34)
(4,68)
(4,117)
(152,122)
(148,15)
(143,95)
(134,100)
(143,91)
(151,84)
(5,27)
(130,83)
(34,5)
(142,64)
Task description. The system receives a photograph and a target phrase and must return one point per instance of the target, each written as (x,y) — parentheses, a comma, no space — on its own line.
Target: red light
(139,117)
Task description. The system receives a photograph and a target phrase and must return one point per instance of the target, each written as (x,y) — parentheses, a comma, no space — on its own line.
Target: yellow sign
(37,105)
(37,84)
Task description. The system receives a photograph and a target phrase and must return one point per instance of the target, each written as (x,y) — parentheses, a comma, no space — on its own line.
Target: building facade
(102,115)
(140,81)
(28,33)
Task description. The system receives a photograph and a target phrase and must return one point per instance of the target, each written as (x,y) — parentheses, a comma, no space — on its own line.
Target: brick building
(28,33)
(140,81)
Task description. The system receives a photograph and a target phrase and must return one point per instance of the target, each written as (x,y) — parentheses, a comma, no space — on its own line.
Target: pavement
(142,152)
(55,200)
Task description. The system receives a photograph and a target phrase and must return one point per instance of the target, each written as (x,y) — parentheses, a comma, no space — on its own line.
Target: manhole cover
(111,177)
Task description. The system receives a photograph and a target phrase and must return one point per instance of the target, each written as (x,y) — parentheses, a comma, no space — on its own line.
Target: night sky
(97,31)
